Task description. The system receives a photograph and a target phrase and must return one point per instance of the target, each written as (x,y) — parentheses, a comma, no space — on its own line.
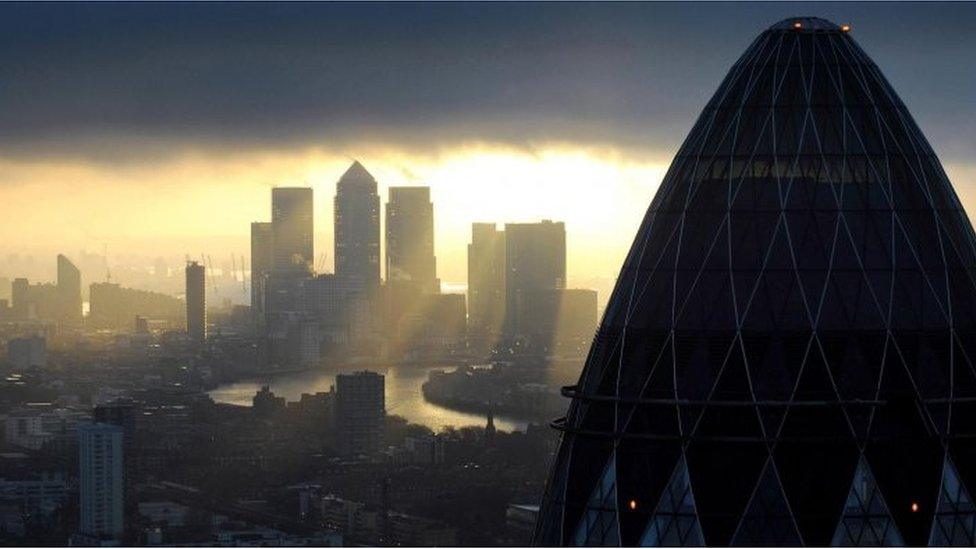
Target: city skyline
(169,184)
(438,274)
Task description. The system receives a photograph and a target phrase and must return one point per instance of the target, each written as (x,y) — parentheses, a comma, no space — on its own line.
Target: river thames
(403,395)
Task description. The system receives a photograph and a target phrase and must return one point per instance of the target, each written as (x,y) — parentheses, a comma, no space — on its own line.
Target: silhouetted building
(27,352)
(265,404)
(788,356)
(262,261)
(292,229)
(535,259)
(20,298)
(357,227)
(196,301)
(69,292)
(557,318)
(360,411)
(341,308)
(100,482)
(410,238)
(486,280)
(112,306)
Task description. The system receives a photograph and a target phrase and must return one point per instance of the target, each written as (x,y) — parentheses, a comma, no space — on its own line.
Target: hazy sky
(159,129)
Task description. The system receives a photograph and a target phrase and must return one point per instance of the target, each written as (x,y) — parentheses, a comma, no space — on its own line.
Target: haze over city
(487,274)
(168,124)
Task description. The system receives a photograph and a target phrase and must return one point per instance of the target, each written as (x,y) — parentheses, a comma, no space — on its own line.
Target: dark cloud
(81,78)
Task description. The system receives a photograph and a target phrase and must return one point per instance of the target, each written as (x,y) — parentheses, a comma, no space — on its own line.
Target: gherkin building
(789,355)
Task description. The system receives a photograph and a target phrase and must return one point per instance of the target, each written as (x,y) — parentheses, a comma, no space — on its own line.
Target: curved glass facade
(789,355)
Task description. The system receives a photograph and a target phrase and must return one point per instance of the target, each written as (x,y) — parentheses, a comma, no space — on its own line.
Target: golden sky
(203,202)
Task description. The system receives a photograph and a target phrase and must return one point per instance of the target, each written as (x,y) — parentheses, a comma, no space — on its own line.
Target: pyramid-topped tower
(789,355)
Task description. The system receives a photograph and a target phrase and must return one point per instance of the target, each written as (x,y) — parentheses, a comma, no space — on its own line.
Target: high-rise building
(196,301)
(339,306)
(292,229)
(100,482)
(486,280)
(113,306)
(535,259)
(357,227)
(262,261)
(20,298)
(789,355)
(360,411)
(557,318)
(69,292)
(410,239)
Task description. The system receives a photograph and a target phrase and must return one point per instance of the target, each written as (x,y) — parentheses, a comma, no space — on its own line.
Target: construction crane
(213,280)
(243,281)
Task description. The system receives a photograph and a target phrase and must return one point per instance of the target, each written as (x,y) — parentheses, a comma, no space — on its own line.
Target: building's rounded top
(808,24)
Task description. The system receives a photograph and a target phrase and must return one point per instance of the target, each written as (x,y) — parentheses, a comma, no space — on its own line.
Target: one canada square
(357,227)
(789,355)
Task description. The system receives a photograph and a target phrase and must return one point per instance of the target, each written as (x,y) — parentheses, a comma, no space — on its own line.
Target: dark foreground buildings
(788,356)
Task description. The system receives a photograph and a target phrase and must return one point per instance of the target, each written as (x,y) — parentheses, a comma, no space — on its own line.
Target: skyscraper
(535,259)
(196,301)
(789,355)
(262,260)
(357,227)
(410,238)
(292,229)
(69,292)
(100,482)
(486,280)
(360,411)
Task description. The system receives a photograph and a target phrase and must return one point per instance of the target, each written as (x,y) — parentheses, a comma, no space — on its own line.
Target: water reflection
(403,395)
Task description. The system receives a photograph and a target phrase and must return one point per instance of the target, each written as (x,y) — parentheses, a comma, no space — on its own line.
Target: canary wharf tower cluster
(789,355)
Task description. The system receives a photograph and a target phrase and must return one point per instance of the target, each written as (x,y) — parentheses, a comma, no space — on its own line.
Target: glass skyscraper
(789,355)
(357,227)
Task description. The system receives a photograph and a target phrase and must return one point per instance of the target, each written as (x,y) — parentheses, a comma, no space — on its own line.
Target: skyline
(178,157)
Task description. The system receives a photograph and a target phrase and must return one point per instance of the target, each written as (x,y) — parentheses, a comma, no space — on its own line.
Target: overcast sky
(74,77)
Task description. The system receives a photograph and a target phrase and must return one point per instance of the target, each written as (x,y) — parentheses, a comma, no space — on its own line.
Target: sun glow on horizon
(197,202)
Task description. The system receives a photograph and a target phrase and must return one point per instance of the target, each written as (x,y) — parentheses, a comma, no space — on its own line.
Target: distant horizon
(136,128)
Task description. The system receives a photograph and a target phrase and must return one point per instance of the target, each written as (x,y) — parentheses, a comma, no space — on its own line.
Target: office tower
(69,292)
(262,260)
(410,239)
(486,280)
(339,306)
(292,229)
(360,411)
(27,352)
(20,298)
(788,356)
(100,482)
(196,301)
(558,317)
(535,259)
(357,227)
(113,306)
